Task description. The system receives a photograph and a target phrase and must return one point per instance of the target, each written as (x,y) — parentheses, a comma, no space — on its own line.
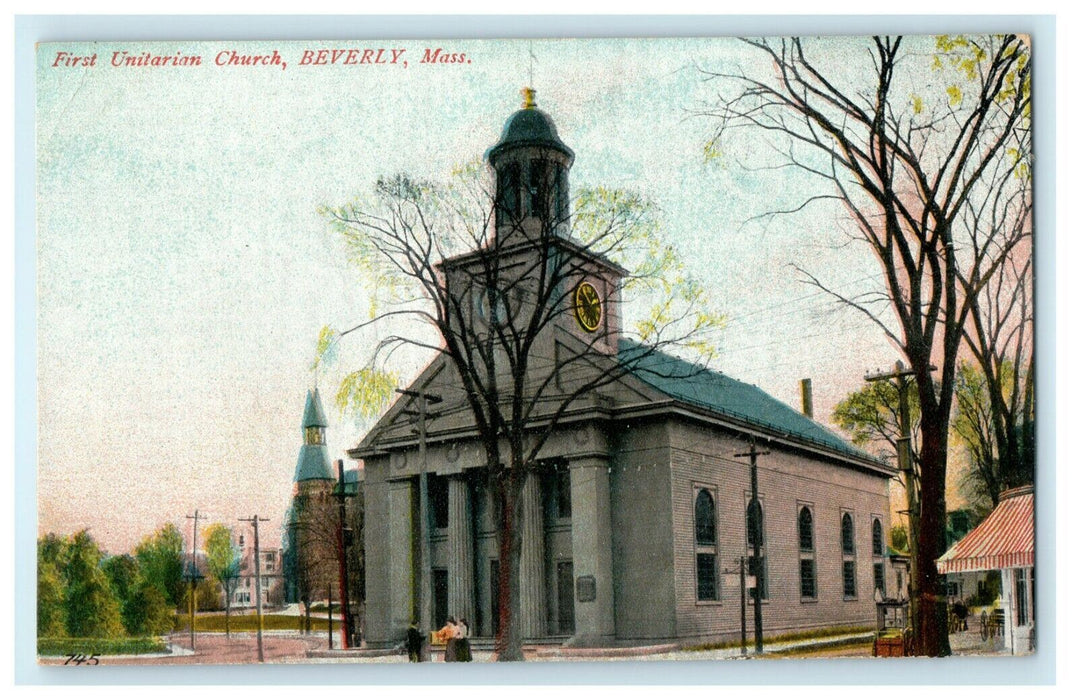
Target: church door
(566,616)
(440,581)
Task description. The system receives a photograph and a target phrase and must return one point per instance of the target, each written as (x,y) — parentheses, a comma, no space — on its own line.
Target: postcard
(399,351)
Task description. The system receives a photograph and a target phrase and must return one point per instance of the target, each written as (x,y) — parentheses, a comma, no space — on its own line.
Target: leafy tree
(51,615)
(91,606)
(147,612)
(900,539)
(160,558)
(870,416)
(123,573)
(223,562)
(50,601)
(918,144)
(481,284)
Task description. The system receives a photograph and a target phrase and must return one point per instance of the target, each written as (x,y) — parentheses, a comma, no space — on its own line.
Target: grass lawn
(247,622)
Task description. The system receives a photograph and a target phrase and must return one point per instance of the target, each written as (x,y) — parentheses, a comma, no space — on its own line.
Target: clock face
(589,308)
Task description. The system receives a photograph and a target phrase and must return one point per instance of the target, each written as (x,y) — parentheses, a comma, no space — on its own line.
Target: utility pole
(254,520)
(329,618)
(343,541)
(194,570)
(739,571)
(744,634)
(755,513)
(901,375)
(423,400)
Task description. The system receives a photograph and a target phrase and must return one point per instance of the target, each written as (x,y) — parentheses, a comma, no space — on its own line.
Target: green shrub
(66,646)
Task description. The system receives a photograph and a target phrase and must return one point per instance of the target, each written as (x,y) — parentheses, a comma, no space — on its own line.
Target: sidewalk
(661,652)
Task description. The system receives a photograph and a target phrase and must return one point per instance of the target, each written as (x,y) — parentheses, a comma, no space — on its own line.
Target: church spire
(313,462)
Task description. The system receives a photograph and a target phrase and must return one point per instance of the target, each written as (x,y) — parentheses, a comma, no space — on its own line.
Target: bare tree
(995,416)
(907,167)
(496,281)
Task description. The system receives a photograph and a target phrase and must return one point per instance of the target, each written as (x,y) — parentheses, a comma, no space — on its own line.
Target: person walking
(414,643)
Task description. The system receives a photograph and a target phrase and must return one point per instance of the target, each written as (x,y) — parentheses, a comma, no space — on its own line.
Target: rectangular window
(438,487)
(705,577)
(508,193)
(849,579)
(877,579)
(1021,601)
(538,187)
(564,492)
(808,578)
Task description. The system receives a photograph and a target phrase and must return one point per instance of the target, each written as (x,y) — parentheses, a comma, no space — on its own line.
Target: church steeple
(531,166)
(313,462)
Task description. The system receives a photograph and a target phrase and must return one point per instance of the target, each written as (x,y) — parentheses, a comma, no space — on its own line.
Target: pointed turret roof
(313,461)
(313,415)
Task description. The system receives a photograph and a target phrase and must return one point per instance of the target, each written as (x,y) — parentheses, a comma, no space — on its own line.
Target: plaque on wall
(585,589)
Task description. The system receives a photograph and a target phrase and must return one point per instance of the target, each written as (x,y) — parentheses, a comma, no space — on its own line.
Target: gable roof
(724,395)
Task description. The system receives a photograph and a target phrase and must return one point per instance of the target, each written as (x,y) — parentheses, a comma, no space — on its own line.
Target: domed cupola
(531,166)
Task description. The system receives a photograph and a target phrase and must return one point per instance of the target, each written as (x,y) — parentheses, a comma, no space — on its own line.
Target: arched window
(807,558)
(705,518)
(804,529)
(849,562)
(879,580)
(707,559)
(756,536)
(847,534)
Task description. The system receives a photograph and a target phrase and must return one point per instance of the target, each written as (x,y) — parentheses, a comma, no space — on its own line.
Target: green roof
(313,415)
(313,463)
(717,392)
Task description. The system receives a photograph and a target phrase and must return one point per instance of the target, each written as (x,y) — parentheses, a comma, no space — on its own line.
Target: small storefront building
(1003,542)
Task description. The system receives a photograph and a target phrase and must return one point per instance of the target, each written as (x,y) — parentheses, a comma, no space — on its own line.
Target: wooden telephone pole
(193,573)
(423,400)
(757,524)
(901,376)
(254,520)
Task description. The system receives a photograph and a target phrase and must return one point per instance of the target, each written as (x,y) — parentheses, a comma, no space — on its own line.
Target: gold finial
(529,98)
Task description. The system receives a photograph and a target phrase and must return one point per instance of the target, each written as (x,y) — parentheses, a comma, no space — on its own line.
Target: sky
(184,271)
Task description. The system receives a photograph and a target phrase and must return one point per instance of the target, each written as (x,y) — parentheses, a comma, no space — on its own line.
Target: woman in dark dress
(464,647)
(448,636)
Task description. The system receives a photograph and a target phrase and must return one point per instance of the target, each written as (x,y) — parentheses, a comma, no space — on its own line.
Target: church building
(634,528)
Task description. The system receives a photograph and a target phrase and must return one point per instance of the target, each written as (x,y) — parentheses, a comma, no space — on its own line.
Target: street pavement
(285,647)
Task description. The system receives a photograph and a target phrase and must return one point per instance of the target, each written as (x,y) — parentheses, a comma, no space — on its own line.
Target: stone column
(592,556)
(532,553)
(461,555)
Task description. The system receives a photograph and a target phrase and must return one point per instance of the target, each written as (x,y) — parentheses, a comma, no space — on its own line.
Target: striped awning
(1003,541)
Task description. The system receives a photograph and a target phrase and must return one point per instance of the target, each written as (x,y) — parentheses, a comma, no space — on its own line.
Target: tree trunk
(930,623)
(228,609)
(509,644)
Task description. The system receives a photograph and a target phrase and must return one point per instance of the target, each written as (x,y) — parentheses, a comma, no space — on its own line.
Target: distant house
(245,593)
(1003,542)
